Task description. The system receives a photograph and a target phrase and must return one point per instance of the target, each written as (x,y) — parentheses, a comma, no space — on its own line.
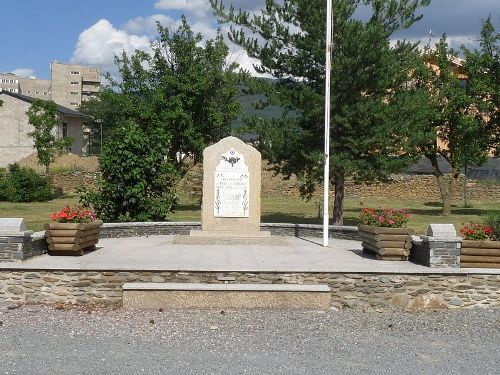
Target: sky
(91,32)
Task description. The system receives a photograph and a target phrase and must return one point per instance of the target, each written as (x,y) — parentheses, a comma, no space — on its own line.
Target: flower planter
(386,243)
(480,254)
(72,238)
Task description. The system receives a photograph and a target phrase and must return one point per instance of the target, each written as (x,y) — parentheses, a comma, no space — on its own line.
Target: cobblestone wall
(421,187)
(114,230)
(347,290)
(21,247)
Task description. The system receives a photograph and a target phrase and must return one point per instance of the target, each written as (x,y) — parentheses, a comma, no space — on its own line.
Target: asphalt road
(46,340)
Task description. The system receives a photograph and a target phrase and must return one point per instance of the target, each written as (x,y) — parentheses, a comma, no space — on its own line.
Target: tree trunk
(446,185)
(338,206)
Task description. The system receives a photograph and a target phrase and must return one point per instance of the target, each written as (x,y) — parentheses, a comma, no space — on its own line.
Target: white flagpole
(327,119)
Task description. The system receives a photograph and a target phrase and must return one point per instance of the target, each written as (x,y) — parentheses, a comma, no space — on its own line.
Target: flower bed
(72,231)
(383,233)
(478,249)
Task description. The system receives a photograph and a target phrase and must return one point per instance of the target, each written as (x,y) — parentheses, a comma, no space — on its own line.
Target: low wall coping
(149,224)
(186,223)
(441,239)
(227,287)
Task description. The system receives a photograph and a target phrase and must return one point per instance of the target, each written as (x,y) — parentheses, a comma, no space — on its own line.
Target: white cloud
(24,72)
(205,29)
(199,8)
(99,44)
(140,25)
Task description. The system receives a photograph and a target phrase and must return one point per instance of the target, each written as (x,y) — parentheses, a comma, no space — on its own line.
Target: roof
(28,99)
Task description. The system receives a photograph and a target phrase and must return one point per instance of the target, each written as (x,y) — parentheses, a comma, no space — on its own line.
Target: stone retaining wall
(347,290)
(419,187)
(114,230)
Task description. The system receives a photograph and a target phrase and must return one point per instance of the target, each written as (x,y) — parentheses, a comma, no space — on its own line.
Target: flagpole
(327,120)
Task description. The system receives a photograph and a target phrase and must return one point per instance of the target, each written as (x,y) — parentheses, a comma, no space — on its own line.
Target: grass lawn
(279,209)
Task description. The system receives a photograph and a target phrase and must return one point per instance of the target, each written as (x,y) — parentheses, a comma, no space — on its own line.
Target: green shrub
(22,184)
(493,220)
(4,185)
(137,180)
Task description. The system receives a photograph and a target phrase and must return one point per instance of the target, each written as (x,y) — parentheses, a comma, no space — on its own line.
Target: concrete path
(158,253)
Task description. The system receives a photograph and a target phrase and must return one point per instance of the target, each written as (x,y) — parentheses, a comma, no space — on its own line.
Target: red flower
(77,215)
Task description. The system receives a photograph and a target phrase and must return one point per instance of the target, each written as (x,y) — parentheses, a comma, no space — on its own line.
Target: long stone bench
(225,296)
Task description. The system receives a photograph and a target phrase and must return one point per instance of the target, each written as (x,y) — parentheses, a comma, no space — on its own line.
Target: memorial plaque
(231,186)
(231,191)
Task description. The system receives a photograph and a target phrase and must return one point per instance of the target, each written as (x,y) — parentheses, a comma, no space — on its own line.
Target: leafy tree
(45,118)
(158,116)
(374,110)
(185,87)
(462,124)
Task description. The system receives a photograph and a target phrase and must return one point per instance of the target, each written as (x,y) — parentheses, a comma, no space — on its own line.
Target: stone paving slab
(158,253)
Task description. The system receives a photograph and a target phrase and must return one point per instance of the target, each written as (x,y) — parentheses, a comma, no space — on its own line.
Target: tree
(136,179)
(462,124)
(44,117)
(184,87)
(158,116)
(374,110)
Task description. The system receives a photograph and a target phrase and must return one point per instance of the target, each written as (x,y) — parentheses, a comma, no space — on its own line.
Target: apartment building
(70,84)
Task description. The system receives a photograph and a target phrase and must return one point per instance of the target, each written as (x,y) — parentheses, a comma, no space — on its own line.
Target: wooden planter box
(387,243)
(480,254)
(71,238)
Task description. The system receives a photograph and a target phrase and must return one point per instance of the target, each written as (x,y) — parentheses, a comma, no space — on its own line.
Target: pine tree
(374,109)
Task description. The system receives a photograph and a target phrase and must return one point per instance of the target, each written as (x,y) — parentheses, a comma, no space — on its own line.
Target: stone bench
(225,296)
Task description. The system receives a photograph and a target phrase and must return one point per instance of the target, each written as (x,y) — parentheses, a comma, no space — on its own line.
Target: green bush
(137,180)
(22,184)
(4,185)
(493,220)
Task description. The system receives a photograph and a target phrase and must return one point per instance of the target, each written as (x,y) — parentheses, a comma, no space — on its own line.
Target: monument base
(200,237)
(230,234)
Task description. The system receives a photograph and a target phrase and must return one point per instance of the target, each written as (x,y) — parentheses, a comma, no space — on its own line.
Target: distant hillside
(248,103)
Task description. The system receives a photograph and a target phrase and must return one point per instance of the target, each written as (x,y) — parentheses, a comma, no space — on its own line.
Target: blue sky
(35,32)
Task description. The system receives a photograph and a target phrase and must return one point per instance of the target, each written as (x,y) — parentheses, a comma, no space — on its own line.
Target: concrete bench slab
(228,296)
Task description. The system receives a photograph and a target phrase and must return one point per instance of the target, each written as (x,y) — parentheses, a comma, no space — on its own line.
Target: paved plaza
(289,254)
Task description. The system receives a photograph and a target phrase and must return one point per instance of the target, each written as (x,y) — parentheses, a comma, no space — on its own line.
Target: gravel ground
(54,340)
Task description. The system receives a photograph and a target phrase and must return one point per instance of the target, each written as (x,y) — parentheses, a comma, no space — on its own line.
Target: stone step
(225,296)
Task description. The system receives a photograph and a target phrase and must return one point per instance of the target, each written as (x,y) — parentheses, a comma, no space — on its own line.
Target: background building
(69,84)
(15,144)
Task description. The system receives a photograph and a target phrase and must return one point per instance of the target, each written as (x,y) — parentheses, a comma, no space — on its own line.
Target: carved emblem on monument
(231,187)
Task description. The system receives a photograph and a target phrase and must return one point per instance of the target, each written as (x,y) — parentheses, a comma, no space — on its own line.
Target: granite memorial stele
(231,191)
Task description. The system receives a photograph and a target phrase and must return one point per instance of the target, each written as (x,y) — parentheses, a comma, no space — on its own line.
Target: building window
(74,72)
(64,129)
(75,82)
(37,92)
(73,103)
(74,93)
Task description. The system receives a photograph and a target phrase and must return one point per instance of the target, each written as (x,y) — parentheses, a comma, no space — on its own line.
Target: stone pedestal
(439,249)
(17,243)
(231,191)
